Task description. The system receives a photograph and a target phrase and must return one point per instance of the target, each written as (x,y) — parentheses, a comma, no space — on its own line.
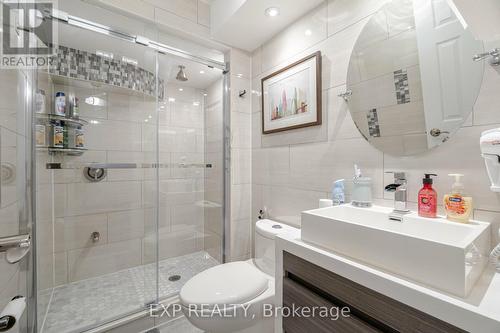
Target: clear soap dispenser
(361,190)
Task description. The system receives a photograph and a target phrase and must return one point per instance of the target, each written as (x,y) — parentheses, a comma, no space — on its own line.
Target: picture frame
(291,96)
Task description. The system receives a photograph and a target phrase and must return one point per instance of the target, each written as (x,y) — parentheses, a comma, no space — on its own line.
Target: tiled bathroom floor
(80,305)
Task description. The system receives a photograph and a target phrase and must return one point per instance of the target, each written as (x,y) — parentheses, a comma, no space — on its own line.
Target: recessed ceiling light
(308,32)
(202,72)
(180,89)
(272,11)
(196,103)
(205,94)
(171,99)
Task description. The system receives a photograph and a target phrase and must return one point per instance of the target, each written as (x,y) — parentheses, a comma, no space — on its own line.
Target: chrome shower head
(181,76)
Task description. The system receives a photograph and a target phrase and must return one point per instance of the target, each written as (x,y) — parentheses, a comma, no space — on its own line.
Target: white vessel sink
(445,255)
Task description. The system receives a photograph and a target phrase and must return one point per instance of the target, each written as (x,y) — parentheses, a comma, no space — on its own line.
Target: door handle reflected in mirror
(435,132)
(494,54)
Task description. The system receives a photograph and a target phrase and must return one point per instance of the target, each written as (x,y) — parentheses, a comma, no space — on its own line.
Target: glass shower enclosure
(123,139)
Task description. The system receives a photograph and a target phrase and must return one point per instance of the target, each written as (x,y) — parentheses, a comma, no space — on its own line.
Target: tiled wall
(292,170)
(120,208)
(188,16)
(241,229)
(83,65)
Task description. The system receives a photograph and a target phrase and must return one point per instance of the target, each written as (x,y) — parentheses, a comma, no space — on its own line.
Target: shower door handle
(15,247)
(14,241)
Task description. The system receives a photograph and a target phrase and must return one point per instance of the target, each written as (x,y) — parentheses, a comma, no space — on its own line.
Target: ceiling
(243,23)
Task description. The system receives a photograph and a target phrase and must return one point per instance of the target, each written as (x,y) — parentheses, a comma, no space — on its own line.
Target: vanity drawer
(376,309)
(294,294)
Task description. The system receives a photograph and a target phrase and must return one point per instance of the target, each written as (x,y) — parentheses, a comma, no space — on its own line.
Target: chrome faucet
(400,189)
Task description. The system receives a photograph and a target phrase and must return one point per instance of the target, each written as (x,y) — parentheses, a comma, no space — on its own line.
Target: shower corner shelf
(75,121)
(67,151)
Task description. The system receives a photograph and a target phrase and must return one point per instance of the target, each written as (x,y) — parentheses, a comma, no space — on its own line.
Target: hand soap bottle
(458,207)
(427,198)
(338,194)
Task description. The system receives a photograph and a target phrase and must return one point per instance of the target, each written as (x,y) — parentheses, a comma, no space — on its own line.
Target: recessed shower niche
(78,82)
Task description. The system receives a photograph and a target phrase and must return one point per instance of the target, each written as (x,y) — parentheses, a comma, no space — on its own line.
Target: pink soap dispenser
(427,198)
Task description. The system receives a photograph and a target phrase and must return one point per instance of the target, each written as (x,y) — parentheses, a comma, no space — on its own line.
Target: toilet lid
(231,283)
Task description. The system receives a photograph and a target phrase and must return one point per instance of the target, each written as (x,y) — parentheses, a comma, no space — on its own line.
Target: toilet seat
(227,284)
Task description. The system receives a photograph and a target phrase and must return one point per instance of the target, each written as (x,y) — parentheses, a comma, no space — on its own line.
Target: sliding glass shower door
(190,200)
(16,265)
(96,152)
(128,146)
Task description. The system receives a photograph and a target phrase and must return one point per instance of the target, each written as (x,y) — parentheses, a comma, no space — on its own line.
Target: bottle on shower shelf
(60,104)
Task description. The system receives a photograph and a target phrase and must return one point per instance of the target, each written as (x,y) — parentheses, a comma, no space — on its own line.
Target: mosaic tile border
(373,125)
(402,87)
(83,65)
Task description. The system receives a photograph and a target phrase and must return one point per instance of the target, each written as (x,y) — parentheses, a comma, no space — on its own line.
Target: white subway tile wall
(292,170)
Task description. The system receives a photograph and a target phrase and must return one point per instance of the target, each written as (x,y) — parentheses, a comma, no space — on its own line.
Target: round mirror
(412,79)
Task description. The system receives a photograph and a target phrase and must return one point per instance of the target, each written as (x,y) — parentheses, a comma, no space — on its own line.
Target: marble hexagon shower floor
(85,304)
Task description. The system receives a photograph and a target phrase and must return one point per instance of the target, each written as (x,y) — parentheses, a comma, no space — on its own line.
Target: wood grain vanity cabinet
(308,285)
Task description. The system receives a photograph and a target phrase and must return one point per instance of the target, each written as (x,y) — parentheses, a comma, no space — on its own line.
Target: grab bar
(60,166)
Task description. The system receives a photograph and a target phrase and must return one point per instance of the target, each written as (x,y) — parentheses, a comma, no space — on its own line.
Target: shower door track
(79,22)
(124,322)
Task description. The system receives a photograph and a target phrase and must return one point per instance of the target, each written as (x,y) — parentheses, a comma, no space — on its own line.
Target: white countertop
(479,312)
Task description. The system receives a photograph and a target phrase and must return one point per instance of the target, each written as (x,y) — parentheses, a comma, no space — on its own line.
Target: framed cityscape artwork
(291,96)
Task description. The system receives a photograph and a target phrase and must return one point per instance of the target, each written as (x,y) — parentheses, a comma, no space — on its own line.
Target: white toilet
(230,298)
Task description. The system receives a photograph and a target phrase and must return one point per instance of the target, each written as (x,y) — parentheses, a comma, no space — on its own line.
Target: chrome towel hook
(346,94)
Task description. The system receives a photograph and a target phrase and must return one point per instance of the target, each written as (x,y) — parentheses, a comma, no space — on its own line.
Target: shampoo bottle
(458,207)
(427,198)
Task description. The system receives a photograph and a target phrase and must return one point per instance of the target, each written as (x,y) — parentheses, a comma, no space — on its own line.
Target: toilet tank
(265,233)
